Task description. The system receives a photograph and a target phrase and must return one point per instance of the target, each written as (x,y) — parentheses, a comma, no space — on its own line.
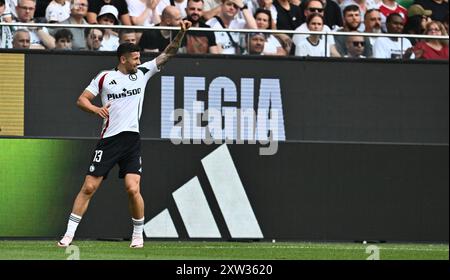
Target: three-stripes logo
(113,82)
(195,211)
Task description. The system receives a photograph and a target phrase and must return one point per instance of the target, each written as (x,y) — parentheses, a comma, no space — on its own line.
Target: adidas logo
(113,82)
(195,211)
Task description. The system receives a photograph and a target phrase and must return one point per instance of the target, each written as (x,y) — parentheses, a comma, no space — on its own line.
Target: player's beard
(132,70)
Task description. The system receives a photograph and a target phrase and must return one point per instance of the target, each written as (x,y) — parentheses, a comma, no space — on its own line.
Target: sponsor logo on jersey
(113,82)
(124,93)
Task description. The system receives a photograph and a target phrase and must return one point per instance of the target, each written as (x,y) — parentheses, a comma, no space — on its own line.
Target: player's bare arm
(172,48)
(85,103)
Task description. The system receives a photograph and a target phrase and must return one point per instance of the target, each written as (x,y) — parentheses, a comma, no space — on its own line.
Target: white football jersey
(125,94)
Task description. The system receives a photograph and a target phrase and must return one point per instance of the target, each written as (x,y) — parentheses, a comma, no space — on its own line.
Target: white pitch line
(303,247)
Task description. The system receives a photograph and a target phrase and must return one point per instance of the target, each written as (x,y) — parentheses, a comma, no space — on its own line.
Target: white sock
(72,225)
(138,226)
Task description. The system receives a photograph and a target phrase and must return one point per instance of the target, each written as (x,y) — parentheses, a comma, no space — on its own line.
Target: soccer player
(122,93)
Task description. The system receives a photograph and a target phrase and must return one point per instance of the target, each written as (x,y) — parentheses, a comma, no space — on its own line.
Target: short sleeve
(97,83)
(149,68)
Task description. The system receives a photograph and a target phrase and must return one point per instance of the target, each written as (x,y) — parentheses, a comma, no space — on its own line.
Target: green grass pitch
(190,250)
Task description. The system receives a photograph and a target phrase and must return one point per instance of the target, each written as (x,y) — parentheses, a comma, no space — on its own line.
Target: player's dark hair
(126,48)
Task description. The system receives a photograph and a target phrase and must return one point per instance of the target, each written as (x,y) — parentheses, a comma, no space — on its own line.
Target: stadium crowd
(427,17)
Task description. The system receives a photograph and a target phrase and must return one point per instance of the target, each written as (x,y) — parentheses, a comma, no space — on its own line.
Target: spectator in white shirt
(143,12)
(57,11)
(229,42)
(313,45)
(109,16)
(264,21)
(40,37)
(315,6)
(393,47)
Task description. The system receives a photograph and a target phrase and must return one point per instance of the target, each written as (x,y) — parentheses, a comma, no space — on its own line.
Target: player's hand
(185,25)
(104,111)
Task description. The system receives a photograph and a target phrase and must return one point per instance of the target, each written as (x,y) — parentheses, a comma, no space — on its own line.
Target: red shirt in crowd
(430,53)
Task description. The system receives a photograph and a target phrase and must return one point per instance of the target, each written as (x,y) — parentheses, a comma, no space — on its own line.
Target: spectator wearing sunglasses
(331,13)
(352,21)
(355,46)
(313,7)
(94,38)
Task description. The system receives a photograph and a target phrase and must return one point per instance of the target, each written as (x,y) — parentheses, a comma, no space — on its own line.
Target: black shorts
(123,148)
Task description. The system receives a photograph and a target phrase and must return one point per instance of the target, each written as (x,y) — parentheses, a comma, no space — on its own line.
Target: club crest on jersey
(133,77)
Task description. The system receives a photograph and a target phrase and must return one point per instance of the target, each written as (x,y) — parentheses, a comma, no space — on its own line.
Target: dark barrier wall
(336,100)
(309,191)
(363,152)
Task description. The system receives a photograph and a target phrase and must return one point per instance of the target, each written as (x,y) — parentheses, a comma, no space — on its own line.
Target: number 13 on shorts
(98,156)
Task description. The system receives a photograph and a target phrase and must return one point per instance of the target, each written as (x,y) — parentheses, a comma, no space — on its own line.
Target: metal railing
(245,31)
